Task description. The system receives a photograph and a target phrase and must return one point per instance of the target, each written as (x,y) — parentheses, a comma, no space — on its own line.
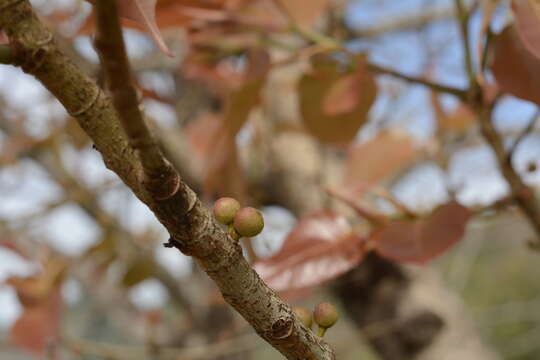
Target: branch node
(162,185)
(173,243)
(281,329)
(42,42)
(88,105)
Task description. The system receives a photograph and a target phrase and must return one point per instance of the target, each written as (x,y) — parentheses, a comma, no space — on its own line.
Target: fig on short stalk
(225,209)
(248,222)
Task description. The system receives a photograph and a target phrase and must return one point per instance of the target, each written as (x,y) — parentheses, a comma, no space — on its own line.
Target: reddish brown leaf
(515,68)
(387,153)
(39,324)
(41,298)
(241,101)
(213,136)
(343,96)
(262,14)
(320,247)
(528,24)
(215,156)
(337,123)
(307,12)
(423,239)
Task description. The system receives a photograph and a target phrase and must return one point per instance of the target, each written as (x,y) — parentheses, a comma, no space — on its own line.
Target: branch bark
(523,195)
(158,176)
(192,229)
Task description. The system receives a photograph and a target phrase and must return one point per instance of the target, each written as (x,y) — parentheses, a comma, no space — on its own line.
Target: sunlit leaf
(321,247)
(334,103)
(528,24)
(343,96)
(421,240)
(387,153)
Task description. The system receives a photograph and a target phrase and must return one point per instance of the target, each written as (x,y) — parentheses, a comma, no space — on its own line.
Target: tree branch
(522,194)
(463,19)
(460,94)
(528,129)
(330,43)
(190,225)
(232,346)
(6,56)
(158,175)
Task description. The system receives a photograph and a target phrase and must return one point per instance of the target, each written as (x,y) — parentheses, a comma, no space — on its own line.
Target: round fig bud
(225,209)
(325,315)
(304,315)
(248,222)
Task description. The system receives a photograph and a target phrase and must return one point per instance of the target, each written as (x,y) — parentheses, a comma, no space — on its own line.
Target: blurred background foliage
(81,259)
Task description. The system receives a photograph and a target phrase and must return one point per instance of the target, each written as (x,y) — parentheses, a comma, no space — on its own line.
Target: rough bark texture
(190,225)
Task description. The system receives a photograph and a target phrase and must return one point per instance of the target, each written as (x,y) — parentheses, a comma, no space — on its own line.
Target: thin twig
(522,194)
(461,94)
(329,43)
(463,18)
(159,177)
(485,32)
(528,129)
(123,352)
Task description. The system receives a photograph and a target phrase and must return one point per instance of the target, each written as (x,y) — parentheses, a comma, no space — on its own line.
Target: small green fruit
(304,315)
(248,222)
(225,209)
(325,315)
